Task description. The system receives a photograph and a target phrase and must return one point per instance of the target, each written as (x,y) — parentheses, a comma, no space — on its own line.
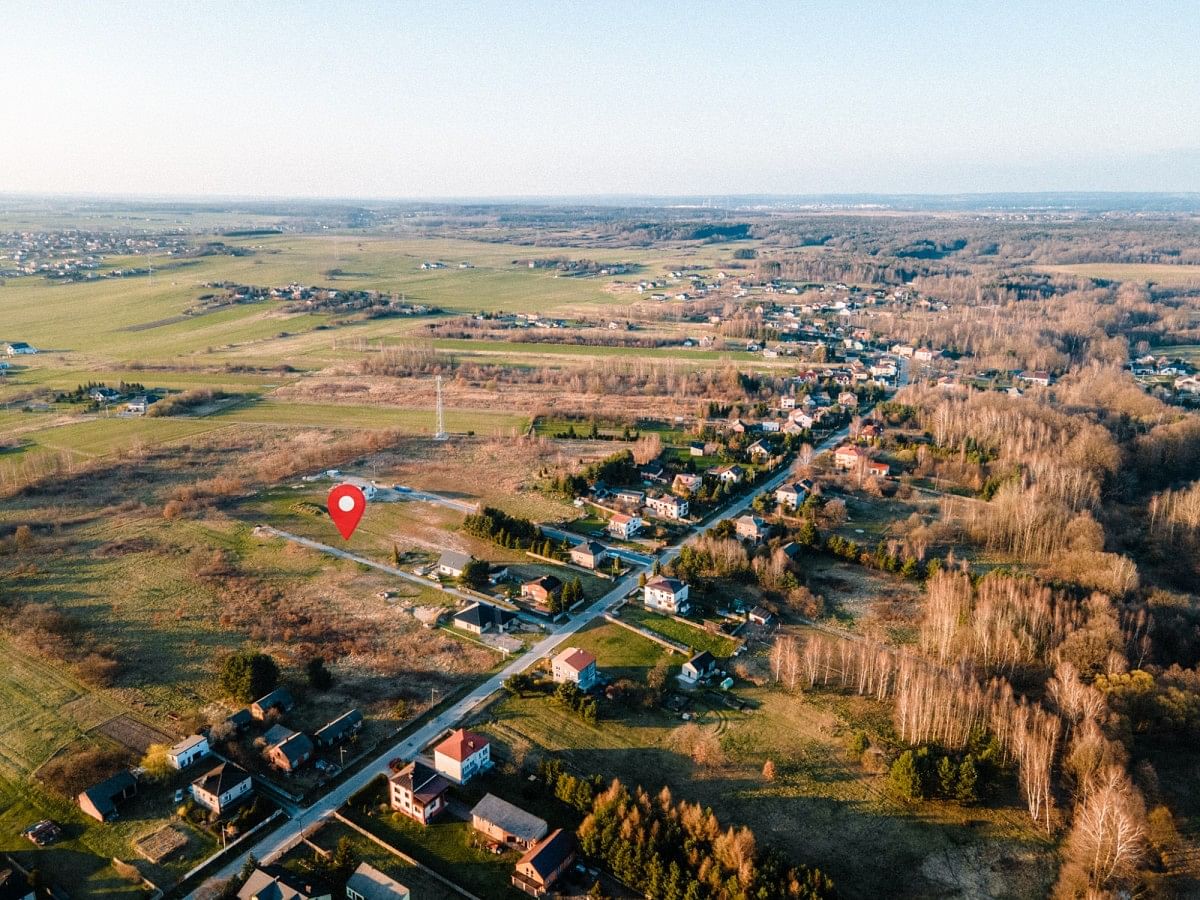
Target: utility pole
(440,434)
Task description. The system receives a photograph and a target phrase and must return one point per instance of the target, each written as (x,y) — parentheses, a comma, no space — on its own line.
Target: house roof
(484,614)
(13,885)
(575,658)
(187,744)
(795,487)
(295,748)
(512,819)
(547,583)
(101,795)
(461,744)
(761,612)
(702,661)
(277,734)
(278,697)
(591,548)
(221,780)
(371,884)
(622,518)
(340,726)
(241,718)
(452,559)
(277,883)
(662,583)
(421,781)
(546,856)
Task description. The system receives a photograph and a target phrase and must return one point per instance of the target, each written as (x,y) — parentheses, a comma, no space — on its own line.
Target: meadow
(1156,273)
(824,807)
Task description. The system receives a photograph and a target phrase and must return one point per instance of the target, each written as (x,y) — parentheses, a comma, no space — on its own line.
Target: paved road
(412,745)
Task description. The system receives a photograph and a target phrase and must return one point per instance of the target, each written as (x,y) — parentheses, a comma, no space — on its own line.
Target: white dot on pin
(345,504)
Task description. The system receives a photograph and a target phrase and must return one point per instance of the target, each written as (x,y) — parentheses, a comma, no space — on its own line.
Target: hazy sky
(411,99)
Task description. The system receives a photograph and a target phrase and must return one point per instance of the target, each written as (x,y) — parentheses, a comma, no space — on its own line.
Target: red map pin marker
(346,507)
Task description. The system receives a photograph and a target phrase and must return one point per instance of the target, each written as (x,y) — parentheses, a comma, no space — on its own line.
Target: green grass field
(823,808)
(331,415)
(1168,275)
(692,636)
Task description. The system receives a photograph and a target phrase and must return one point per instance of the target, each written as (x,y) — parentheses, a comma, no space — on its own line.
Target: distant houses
(221,788)
(462,755)
(575,666)
(100,801)
(20,348)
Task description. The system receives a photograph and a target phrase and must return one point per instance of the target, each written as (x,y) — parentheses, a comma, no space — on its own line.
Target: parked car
(43,832)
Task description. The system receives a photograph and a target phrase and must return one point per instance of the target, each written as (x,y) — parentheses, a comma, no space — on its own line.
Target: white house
(668,506)
(751,527)
(451,563)
(624,525)
(20,348)
(794,493)
(667,594)
(462,755)
(730,474)
(699,666)
(576,666)
(222,787)
(187,751)
(686,484)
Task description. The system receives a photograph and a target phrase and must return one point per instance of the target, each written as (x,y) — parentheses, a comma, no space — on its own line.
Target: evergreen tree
(966,791)
(905,778)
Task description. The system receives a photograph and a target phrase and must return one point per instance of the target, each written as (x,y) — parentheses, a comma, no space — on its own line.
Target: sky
(450,99)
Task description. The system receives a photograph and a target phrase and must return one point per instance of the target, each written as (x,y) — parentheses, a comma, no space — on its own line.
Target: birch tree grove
(1108,837)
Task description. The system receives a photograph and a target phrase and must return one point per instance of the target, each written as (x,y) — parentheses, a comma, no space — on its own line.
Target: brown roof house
(576,666)
(287,750)
(543,863)
(418,792)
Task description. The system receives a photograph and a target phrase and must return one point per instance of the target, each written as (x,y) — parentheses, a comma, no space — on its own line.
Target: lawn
(694,636)
(447,845)
(1171,276)
(411,421)
(824,807)
(422,885)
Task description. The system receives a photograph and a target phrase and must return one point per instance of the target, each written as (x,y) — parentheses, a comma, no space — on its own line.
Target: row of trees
(498,526)
(678,851)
